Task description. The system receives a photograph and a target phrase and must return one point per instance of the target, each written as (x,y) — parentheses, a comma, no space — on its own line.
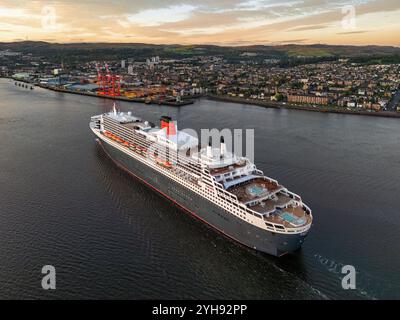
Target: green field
(183,50)
(309,52)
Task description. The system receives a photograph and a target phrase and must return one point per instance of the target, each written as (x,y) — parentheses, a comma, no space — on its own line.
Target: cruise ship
(223,190)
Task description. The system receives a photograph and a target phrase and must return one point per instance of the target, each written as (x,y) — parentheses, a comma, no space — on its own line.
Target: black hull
(275,244)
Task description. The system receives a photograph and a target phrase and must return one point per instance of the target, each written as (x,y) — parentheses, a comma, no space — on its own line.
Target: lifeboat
(142,150)
(165,164)
(168,164)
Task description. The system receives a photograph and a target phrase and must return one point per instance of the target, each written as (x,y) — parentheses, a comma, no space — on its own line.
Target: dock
(168,102)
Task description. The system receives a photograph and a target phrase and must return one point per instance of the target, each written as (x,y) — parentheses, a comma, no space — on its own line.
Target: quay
(169,102)
(285,105)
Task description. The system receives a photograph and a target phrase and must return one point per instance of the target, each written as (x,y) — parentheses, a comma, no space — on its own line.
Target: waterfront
(64,203)
(187,100)
(314,108)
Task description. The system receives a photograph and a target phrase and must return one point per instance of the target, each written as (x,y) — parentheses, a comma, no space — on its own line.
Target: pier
(168,102)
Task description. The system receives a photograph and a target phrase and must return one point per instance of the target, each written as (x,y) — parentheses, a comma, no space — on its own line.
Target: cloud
(16,13)
(159,16)
(353,32)
(207,21)
(255,5)
(290,41)
(309,27)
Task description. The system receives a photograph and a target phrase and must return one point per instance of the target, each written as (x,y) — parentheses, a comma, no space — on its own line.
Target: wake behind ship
(225,191)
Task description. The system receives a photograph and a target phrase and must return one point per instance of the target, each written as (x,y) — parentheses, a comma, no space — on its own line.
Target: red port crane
(108,84)
(100,81)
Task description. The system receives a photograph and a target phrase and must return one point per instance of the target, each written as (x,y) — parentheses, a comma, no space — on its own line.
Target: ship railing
(307,209)
(295,196)
(188,166)
(183,166)
(227,195)
(280,228)
(133,137)
(179,171)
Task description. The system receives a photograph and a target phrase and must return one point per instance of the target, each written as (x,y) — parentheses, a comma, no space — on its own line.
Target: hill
(139,51)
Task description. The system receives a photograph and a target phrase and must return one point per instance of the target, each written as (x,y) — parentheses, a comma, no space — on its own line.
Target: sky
(220,22)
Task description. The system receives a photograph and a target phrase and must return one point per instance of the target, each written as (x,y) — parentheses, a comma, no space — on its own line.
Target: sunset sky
(223,22)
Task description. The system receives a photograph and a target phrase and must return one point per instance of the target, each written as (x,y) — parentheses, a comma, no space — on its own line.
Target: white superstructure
(233,183)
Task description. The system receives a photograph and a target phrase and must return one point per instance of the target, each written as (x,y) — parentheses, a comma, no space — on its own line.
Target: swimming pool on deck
(256,190)
(293,220)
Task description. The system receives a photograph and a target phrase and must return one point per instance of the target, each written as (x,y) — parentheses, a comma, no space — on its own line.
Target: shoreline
(189,100)
(185,100)
(277,105)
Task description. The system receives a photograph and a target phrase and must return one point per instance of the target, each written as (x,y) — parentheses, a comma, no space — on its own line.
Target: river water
(64,203)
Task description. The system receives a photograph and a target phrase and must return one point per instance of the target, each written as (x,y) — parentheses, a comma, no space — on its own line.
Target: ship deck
(275,206)
(255,189)
(223,170)
(270,205)
(290,217)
